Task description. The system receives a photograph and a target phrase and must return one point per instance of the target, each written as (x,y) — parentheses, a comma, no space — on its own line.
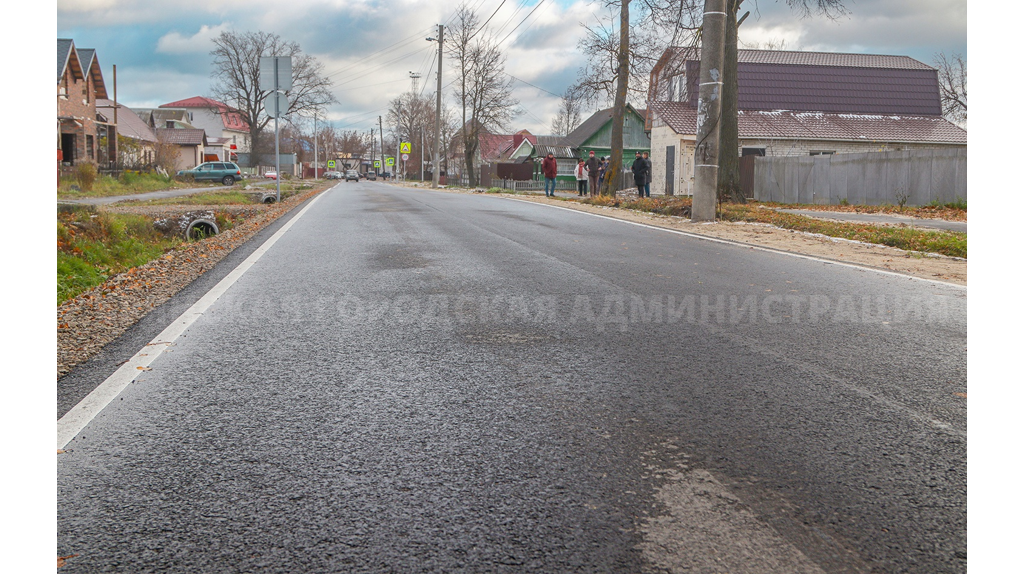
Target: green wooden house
(596,134)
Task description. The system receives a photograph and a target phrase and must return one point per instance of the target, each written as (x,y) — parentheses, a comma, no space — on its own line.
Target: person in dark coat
(650,170)
(549,167)
(593,169)
(601,171)
(639,169)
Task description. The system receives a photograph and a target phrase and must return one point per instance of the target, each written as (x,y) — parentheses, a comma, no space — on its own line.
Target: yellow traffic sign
(406,147)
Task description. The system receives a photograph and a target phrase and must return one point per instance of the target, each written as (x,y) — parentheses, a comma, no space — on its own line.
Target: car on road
(270,175)
(370,176)
(332,175)
(225,172)
(351,175)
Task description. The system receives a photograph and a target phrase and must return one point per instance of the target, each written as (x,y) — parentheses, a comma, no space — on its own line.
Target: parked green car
(222,171)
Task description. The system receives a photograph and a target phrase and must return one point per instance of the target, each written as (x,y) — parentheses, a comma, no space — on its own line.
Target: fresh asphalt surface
(414,381)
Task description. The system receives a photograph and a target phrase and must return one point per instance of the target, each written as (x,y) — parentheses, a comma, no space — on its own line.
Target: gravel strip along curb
(88,322)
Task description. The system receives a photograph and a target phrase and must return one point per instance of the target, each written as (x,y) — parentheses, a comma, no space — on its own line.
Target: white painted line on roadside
(85,411)
(748,245)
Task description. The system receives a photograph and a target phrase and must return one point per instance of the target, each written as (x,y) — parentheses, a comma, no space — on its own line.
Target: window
(89,147)
(753,151)
(680,88)
(822,152)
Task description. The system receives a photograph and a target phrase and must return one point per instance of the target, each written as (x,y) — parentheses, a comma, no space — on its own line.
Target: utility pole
(436,180)
(709,112)
(316,153)
(373,152)
(380,124)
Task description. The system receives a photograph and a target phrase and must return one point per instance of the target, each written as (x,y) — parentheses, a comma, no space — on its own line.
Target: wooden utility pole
(616,167)
(437,116)
(380,124)
(709,111)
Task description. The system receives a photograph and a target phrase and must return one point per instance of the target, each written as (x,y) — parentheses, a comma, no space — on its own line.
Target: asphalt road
(415,381)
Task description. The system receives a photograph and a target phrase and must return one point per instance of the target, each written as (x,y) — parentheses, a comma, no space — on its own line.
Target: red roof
(491,145)
(784,124)
(230,116)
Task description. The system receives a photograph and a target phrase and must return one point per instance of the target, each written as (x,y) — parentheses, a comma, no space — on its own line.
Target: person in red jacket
(549,167)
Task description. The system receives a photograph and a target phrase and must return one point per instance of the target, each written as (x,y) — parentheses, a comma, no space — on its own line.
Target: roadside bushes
(92,247)
(86,175)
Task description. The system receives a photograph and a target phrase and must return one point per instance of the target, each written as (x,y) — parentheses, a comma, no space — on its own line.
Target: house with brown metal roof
(188,145)
(83,135)
(799,104)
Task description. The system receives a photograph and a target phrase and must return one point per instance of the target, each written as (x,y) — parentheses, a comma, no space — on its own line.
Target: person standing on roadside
(650,169)
(594,169)
(601,171)
(582,175)
(549,167)
(639,168)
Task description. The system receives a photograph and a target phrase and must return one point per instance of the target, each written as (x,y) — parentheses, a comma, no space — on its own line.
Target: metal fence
(913,177)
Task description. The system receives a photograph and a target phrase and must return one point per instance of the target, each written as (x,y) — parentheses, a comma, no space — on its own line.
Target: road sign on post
(276,104)
(405,148)
(276,78)
(276,73)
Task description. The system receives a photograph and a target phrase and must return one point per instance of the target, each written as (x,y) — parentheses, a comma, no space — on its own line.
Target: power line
(539,4)
(488,20)
(381,52)
(531,85)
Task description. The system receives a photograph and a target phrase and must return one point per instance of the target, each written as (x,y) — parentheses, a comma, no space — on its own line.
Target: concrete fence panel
(917,177)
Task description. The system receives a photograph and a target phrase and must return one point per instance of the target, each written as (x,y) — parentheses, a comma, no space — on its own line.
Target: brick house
(799,104)
(83,135)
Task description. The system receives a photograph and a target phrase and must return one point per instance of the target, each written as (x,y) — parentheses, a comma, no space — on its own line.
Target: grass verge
(130,182)
(92,247)
(943,242)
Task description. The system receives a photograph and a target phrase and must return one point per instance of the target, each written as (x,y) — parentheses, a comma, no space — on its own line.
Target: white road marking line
(749,245)
(85,411)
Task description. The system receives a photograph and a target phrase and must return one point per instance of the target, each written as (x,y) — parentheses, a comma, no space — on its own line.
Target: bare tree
(410,118)
(236,71)
(482,88)
(728,169)
(622,48)
(953,86)
(569,114)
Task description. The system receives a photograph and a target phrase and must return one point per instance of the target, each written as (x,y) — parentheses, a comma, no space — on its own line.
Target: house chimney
(516,140)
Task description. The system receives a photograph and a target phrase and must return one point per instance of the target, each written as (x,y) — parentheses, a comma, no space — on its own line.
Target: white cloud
(85,5)
(201,41)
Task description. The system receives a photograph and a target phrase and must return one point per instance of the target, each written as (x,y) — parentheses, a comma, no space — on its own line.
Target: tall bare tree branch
(953,86)
(236,74)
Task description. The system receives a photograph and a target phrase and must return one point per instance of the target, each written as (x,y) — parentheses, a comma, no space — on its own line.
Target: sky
(369,48)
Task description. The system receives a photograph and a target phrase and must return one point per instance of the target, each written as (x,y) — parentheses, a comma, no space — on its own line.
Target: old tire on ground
(201,228)
(228,180)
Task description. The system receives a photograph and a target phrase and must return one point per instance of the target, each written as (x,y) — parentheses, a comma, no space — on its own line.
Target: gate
(747,175)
